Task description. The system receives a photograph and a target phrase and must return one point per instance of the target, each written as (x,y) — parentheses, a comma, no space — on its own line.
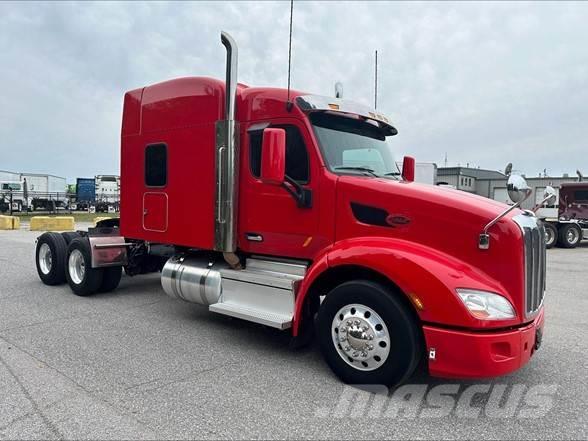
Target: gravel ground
(137,364)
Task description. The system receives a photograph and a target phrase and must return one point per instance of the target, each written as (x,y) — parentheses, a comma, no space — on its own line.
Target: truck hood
(444,219)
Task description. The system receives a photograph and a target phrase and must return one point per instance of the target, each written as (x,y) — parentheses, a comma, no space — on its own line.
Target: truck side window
(297,166)
(156,165)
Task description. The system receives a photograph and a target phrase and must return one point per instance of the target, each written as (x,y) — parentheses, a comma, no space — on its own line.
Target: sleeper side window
(297,166)
(156,165)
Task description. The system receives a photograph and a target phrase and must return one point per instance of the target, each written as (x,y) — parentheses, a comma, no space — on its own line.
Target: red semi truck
(287,209)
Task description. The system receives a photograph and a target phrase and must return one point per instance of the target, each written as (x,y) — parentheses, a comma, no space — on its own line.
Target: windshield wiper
(361,169)
(396,175)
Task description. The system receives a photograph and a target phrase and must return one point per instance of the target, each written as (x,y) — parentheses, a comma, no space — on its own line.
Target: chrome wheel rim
(360,337)
(45,258)
(572,235)
(76,267)
(549,236)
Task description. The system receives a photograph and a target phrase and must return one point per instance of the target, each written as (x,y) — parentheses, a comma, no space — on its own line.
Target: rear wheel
(70,235)
(110,278)
(569,236)
(550,235)
(50,258)
(82,278)
(367,335)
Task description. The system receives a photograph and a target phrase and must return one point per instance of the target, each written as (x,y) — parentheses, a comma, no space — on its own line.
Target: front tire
(82,278)
(569,236)
(550,235)
(50,258)
(367,335)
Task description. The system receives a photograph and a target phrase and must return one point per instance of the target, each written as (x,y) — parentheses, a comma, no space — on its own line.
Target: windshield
(11,187)
(353,145)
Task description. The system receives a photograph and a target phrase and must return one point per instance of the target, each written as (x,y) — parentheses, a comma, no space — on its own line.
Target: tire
(569,236)
(70,235)
(396,344)
(550,235)
(110,278)
(82,278)
(50,258)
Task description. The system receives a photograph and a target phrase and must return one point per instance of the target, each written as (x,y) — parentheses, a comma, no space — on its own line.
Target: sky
(482,84)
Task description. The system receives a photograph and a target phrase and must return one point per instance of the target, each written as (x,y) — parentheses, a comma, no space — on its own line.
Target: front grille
(534,244)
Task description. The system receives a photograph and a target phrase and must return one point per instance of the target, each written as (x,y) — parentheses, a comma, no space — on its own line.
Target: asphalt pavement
(136,364)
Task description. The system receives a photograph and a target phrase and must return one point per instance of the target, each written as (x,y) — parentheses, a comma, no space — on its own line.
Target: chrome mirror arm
(484,240)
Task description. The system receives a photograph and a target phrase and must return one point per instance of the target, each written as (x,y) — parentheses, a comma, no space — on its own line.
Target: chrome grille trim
(535,261)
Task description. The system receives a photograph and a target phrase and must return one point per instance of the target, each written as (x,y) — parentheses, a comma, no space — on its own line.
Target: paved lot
(137,364)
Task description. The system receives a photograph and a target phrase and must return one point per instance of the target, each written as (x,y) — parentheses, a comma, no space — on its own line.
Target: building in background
(492,183)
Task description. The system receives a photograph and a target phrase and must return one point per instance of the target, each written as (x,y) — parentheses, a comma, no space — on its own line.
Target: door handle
(145,212)
(254,237)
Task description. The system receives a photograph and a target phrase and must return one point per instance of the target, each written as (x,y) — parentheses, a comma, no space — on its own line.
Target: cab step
(263,317)
(263,292)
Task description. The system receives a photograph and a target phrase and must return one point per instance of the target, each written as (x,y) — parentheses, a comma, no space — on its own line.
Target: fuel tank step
(263,292)
(274,320)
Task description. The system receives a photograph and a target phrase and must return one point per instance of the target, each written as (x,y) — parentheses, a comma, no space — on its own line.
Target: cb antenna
(376,83)
(288,102)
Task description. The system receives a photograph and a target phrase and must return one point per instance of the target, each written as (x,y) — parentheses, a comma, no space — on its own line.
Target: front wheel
(550,235)
(367,335)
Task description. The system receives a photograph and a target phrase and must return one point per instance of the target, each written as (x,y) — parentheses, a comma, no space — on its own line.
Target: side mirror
(408,167)
(518,190)
(273,156)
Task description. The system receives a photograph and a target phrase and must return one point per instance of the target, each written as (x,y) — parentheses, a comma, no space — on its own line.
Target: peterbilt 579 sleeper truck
(287,209)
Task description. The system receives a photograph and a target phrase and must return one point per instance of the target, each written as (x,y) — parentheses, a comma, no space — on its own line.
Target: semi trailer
(251,202)
(566,224)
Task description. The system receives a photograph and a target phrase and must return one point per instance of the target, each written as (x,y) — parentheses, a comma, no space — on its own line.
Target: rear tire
(50,258)
(550,235)
(110,278)
(70,235)
(367,335)
(82,278)
(569,236)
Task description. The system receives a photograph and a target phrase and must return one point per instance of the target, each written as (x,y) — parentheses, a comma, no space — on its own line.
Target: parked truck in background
(250,202)
(107,191)
(12,196)
(85,193)
(46,192)
(566,223)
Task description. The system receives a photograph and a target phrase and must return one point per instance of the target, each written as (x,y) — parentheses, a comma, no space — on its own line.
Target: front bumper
(465,354)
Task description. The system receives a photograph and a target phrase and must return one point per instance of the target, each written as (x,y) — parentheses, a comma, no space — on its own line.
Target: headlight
(486,305)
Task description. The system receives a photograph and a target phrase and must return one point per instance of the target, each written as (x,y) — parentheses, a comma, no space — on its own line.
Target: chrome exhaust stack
(227,159)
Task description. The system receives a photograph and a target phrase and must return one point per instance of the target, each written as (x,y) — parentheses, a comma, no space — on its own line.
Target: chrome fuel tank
(193,279)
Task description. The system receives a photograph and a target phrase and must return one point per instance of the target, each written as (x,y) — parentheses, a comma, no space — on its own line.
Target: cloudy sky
(486,83)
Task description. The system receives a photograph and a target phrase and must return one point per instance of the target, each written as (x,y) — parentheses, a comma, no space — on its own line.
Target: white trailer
(45,191)
(424,172)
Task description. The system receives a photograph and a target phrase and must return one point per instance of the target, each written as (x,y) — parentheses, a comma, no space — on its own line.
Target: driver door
(270,220)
